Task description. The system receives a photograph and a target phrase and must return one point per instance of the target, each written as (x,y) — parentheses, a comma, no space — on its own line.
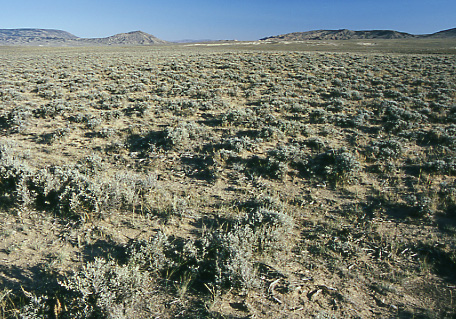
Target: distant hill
(50,37)
(35,33)
(130,38)
(342,34)
(345,34)
(450,33)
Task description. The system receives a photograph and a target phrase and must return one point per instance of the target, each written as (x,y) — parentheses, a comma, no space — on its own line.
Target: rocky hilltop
(50,37)
(344,34)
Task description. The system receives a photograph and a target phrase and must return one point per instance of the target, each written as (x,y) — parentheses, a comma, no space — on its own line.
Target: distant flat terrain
(401,46)
(396,46)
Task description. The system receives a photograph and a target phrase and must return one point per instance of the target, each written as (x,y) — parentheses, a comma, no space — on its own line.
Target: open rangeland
(229,181)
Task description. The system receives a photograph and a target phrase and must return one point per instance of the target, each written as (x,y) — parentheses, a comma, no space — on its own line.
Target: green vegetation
(191,181)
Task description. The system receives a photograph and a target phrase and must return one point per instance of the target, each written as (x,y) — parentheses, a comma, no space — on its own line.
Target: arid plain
(230,180)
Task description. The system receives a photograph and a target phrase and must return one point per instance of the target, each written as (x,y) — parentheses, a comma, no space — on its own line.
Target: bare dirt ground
(230,182)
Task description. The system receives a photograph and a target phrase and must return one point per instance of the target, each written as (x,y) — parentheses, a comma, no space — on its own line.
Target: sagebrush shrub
(335,165)
(447,198)
(444,166)
(223,256)
(106,289)
(16,119)
(15,178)
(385,149)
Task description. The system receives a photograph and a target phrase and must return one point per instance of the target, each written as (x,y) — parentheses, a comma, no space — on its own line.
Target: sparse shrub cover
(202,181)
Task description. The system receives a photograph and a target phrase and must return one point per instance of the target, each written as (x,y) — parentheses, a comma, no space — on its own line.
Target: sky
(231,19)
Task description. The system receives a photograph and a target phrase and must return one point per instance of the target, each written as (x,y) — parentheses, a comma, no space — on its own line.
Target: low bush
(338,166)
(78,191)
(16,119)
(447,198)
(384,149)
(444,166)
(15,178)
(109,290)
(223,257)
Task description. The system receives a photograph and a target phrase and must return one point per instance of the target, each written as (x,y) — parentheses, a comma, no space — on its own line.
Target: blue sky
(231,19)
